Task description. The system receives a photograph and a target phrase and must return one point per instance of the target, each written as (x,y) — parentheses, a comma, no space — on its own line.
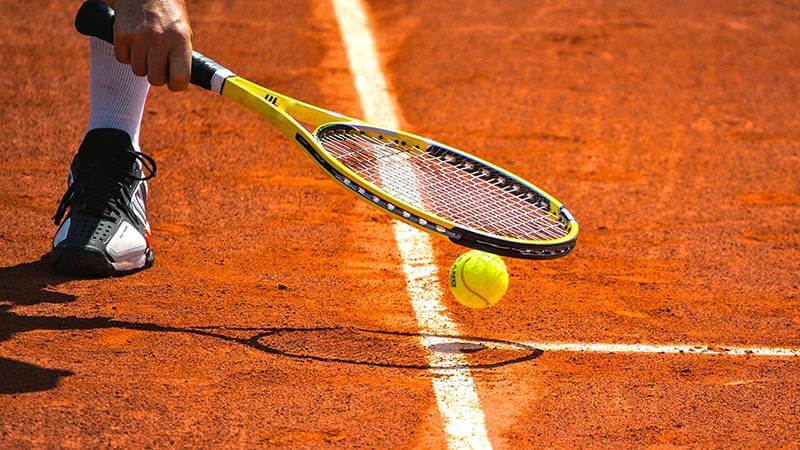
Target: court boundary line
(456,395)
(687,349)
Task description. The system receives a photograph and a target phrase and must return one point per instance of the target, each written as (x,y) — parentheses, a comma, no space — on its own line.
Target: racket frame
(287,115)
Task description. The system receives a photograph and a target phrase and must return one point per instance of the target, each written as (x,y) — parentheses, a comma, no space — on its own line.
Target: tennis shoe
(102,218)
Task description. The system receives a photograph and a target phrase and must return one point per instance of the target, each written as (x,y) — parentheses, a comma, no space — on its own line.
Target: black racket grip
(95,18)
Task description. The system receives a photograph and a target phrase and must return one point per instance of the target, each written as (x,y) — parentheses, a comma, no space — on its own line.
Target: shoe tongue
(106,146)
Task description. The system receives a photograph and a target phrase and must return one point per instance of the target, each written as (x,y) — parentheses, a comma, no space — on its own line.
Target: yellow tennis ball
(478,279)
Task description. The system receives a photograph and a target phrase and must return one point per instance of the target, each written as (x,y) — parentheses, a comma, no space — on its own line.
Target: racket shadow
(32,283)
(386,348)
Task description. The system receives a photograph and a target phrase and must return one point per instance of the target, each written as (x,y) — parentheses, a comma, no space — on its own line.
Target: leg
(102,216)
(117,96)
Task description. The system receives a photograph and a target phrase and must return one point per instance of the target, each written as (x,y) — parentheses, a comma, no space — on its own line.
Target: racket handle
(96,18)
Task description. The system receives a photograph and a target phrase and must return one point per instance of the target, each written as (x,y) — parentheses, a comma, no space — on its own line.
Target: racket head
(422,182)
(444,190)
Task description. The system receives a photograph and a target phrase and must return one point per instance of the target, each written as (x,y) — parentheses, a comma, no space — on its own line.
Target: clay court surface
(277,313)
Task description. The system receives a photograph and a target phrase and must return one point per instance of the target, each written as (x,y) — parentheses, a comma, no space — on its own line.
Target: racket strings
(544,223)
(436,181)
(471,217)
(495,219)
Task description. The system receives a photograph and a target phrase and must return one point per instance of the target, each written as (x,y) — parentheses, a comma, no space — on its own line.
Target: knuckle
(186,31)
(155,35)
(180,32)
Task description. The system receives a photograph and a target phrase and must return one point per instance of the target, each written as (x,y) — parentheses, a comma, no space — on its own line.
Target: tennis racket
(429,185)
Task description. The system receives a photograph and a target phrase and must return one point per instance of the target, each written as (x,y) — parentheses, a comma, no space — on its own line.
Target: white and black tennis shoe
(102,218)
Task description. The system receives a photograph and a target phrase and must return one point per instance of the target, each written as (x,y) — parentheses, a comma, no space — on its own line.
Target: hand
(155,38)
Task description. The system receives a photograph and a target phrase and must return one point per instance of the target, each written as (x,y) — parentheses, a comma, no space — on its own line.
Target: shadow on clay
(30,283)
(18,377)
(25,285)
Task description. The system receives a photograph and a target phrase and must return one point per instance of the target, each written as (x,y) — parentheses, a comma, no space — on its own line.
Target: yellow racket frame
(287,113)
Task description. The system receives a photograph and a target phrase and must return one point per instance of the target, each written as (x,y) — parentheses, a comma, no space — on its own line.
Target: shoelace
(101,189)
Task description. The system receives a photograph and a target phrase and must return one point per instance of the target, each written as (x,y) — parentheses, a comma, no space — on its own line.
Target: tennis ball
(478,279)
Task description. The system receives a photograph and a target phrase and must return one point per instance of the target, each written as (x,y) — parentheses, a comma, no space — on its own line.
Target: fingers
(122,50)
(139,57)
(157,61)
(180,67)
(155,38)
(163,60)
(122,44)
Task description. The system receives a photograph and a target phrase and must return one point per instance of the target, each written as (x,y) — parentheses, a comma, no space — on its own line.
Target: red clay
(276,313)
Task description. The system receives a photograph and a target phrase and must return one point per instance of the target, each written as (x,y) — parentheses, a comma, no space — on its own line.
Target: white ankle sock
(117,96)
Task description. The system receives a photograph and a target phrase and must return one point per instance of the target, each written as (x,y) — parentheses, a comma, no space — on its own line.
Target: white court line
(705,349)
(456,396)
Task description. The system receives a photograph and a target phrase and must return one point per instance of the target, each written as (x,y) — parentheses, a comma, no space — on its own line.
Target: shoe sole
(85,263)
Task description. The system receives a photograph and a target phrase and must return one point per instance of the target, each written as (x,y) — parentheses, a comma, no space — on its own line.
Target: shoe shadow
(32,283)
(27,284)
(18,377)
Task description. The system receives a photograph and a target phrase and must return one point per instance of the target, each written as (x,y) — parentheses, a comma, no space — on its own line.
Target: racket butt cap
(95,18)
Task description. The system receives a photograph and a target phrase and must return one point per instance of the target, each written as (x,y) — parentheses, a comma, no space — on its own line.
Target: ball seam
(464,282)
